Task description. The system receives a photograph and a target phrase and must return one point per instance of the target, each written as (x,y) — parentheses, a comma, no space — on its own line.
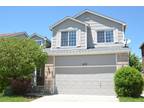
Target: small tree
(128,82)
(18,58)
(134,61)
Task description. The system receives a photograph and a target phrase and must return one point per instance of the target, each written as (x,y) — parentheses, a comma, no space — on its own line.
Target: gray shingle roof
(13,34)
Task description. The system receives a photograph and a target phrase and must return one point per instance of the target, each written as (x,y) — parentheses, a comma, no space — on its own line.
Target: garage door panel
(108,59)
(98,84)
(85,70)
(85,74)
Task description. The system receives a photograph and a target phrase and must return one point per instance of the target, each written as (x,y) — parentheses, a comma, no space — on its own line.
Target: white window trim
(103,43)
(41,42)
(67,30)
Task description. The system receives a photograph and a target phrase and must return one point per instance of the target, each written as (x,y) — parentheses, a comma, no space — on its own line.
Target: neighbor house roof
(97,14)
(14,34)
(66,18)
(99,50)
(40,36)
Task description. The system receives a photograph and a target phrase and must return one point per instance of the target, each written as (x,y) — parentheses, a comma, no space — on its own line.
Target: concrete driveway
(76,98)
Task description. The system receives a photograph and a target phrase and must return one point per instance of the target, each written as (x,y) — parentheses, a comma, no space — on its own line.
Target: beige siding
(122,60)
(89,60)
(50,60)
(120,36)
(122,57)
(98,23)
(69,25)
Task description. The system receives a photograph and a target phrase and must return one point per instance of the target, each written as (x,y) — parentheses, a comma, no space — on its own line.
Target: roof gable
(36,35)
(100,15)
(66,18)
(39,37)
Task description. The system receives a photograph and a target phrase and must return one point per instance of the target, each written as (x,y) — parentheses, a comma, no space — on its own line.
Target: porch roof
(99,50)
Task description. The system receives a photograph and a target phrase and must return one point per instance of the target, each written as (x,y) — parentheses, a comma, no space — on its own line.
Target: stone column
(49,79)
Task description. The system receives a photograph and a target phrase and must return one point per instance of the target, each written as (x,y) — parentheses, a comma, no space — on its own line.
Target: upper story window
(39,42)
(105,36)
(68,38)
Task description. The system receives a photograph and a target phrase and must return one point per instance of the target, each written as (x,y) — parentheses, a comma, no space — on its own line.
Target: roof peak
(65,18)
(99,14)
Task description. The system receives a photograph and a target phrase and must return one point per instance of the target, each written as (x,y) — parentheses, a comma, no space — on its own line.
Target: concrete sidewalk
(76,98)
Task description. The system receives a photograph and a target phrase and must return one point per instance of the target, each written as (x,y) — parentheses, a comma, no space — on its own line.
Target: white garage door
(85,74)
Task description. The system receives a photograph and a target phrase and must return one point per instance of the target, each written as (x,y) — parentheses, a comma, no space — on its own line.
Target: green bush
(128,82)
(18,59)
(134,61)
(8,91)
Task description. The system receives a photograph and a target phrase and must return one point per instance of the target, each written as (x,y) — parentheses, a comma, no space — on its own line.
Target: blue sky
(38,19)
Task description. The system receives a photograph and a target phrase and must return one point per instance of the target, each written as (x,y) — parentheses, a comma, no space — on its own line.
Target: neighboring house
(85,52)
(142,52)
(42,41)
(18,34)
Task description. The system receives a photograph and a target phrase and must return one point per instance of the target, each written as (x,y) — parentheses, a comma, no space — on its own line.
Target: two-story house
(85,52)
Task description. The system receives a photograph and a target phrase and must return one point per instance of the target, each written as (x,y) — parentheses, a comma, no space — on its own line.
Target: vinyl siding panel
(88,60)
(86,70)
(97,23)
(50,60)
(69,25)
(122,57)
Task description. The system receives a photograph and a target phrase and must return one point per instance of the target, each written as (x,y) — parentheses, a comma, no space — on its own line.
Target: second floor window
(68,38)
(39,42)
(105,36)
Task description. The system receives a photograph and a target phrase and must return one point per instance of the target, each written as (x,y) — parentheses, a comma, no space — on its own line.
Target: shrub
(8,91)
(20,86)
(134,61)
(128,82)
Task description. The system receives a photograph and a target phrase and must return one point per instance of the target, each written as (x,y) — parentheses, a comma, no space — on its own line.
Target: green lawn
(130,99)
(14,99)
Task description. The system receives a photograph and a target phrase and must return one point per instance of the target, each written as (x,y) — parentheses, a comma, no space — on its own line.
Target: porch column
(35,77)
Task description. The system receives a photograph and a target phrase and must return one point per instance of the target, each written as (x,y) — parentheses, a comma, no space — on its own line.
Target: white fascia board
(59,22)
(53,53)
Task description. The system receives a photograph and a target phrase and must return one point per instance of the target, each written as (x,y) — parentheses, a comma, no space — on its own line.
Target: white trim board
(85,66)
(66,18)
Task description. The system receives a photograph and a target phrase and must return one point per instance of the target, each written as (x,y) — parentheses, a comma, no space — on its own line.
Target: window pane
(72,38)
(64,38)
(39,42)
(109,36)
(100,37)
